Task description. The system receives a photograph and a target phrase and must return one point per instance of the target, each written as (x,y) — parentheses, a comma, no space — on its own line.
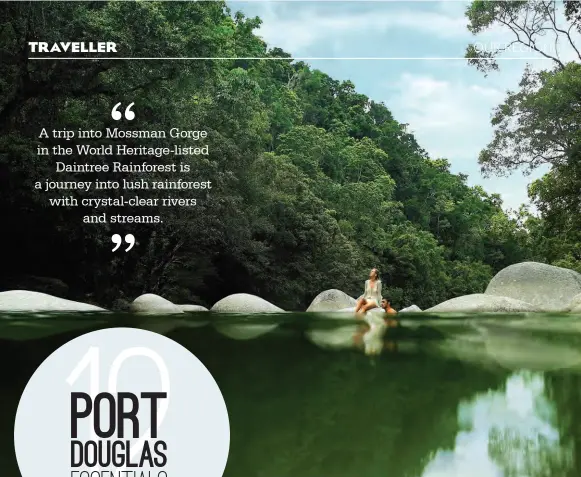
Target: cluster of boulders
(523,287)
(245,304)
(337,301)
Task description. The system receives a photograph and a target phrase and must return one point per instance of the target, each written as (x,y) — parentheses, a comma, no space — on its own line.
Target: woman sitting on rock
(371,297)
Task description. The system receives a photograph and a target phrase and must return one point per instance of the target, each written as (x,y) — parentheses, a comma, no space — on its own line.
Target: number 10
(91,360)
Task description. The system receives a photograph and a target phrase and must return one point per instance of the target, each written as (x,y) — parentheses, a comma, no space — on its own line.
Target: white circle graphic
(122,402)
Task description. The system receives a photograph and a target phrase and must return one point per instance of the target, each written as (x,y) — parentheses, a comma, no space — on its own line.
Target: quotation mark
(116,114)
(129,238)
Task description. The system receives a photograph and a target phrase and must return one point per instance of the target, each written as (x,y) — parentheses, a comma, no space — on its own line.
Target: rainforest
(313,183)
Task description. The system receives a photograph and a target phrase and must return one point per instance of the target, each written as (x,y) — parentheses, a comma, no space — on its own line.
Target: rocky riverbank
(523,287)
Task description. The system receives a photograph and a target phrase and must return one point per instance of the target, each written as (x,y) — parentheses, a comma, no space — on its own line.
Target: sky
(448,104)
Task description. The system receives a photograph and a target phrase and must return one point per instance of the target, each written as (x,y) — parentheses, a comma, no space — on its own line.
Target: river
(448,397)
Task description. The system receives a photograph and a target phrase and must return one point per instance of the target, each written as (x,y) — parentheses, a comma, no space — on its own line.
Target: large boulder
(245,303)
(24,300)
(192,308)
(480,302)
(574,305)
(331,300)
(545,287)
(151,303)
(411,309)
(245,328)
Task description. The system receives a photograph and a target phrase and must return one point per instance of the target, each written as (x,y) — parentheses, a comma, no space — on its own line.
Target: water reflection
(421,409)
(508,433)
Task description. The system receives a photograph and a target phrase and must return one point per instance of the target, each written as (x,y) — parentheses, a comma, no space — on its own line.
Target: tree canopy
(314,183)
(539,124)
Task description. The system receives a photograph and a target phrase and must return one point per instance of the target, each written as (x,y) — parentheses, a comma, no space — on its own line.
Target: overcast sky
(447,103)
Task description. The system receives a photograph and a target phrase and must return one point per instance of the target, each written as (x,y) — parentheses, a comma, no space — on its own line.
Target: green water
(458,396)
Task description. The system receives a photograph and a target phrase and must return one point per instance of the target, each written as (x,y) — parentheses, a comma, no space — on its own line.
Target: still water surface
(458,396)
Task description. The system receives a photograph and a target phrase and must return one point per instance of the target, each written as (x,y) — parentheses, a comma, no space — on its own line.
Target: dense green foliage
(313,183)
(540,124)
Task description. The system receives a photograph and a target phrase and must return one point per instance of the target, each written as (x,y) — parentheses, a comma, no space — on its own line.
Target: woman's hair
(376,273)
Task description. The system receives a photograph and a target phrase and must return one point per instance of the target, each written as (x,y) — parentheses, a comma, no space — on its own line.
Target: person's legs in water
(359,334)
(391,323)
(390,346)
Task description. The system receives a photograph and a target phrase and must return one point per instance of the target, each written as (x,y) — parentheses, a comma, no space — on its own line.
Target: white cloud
(434,107)
(300,26)
(451,119)
(447,104)
(308,25)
